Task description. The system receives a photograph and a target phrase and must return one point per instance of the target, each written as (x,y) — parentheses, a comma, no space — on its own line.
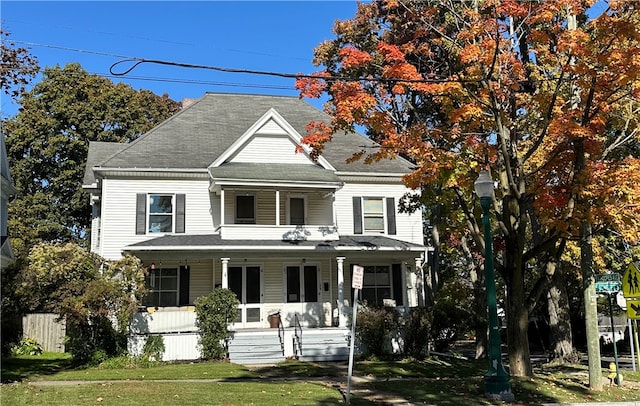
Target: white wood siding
(408,226)
(319,208)
(271,127)
(201,280)
(119,210)
(271,149)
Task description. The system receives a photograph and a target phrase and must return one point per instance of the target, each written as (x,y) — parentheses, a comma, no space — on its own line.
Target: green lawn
(436,381)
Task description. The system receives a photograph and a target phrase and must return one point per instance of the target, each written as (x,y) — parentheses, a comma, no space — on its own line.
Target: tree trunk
(432,276)
(479,320)
(559,319)
(518,326)
(517,308)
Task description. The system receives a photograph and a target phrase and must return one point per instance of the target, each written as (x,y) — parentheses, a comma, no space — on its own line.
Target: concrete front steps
(263,346)
(255,347)
(324,344)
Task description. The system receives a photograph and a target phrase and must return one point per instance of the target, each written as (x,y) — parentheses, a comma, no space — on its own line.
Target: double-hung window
(160,213)
(374,215)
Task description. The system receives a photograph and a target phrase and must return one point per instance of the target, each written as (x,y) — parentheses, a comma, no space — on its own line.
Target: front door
(303,294)
(246,283)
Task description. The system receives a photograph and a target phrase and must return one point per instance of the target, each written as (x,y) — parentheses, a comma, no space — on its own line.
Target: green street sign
(608,287)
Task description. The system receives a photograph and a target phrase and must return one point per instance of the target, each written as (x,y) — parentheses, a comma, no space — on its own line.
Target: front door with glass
(246,283)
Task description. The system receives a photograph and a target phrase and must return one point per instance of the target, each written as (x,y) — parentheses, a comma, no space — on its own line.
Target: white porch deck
(246,346)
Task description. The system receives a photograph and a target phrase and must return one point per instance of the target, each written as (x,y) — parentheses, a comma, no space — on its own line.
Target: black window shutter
(185,277)
(391,216)
(398,289)
(357,215)
(180,213)
(141,213)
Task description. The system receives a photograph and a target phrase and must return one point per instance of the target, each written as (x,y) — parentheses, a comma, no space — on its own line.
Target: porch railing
(297,336)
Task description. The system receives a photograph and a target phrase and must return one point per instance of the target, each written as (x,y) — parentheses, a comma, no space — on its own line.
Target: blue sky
(277,36)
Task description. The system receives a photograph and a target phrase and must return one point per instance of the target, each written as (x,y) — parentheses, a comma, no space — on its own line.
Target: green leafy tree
(87,292)
(214,313)
(47,143)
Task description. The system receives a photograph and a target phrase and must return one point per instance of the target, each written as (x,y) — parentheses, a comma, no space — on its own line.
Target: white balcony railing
(282,232)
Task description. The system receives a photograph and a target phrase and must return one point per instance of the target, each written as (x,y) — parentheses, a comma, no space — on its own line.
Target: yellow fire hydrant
(614,375)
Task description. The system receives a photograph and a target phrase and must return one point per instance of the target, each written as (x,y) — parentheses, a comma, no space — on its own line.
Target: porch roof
(213,242)
(299,174)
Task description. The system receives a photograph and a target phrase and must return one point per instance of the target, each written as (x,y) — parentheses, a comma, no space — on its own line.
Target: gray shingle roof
(99,151)
(198,134)
(214,241)
(274,172)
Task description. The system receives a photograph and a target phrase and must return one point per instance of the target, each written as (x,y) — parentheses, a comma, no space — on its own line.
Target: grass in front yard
(174,393)
(459,382)
(23,367)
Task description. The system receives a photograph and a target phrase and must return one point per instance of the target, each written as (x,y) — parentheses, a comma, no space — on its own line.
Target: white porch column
(408,280)
(420,282)
(221,207)
(342,317)
(277,207)
(225,273)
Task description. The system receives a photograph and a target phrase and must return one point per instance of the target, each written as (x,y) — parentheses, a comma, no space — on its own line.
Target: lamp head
(484,184)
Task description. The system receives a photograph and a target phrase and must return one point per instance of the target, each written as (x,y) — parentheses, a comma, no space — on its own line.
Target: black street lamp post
(496,379)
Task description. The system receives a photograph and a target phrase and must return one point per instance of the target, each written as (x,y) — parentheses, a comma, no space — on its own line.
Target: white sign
(358,275)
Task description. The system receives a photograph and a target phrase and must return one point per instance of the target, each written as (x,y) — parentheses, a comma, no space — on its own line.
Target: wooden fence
(44,328)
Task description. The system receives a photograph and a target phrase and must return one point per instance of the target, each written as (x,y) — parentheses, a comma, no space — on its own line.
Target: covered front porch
(306,283)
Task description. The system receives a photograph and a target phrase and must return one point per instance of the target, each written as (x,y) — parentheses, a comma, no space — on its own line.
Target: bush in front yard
(96,297)
(214,313)
(415,327)
(375,328)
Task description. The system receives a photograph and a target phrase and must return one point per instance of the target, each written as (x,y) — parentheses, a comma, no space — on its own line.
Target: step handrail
(297,338)
(281,334)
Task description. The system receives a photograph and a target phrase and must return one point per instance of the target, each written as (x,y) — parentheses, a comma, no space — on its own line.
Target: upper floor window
(160,213)
(374,215)
(245,209)
(296,211)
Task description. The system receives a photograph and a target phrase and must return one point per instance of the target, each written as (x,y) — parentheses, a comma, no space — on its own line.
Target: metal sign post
(610,284)
(356,283)
(631,292)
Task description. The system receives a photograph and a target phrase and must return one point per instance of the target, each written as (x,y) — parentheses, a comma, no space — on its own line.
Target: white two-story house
(218,196)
